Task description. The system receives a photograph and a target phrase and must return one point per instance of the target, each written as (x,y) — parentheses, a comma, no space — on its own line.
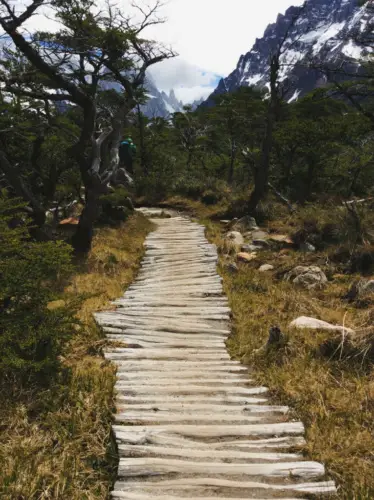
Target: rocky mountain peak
(324,32)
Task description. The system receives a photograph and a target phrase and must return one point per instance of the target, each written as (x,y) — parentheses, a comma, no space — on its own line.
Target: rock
(307,247)
(308,277)
(360,288)
(129,204)
(261,243)
(235,238)
(368,287)
(265,268)
(260,235)
(246,257)
(304,322)
(232,268)
(249,248)
(281,238)
(246,223)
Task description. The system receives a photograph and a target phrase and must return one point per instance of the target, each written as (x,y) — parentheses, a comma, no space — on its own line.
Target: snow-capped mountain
(159,104)
(323,34)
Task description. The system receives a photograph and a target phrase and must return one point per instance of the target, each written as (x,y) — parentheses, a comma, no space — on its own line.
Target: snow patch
(352,50)
(295,96)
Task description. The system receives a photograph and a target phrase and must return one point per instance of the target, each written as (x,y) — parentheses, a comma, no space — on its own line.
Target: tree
(277,90)
(92,51)
(35,170)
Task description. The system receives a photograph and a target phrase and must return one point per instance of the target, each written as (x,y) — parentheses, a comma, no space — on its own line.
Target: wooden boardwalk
(190,422)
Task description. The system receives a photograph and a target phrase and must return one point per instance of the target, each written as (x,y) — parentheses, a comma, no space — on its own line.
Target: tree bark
(262,173)
(82,239)
(143,153)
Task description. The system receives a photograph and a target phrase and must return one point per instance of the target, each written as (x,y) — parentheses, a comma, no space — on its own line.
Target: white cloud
(210,34)
(188,81)
(190,94)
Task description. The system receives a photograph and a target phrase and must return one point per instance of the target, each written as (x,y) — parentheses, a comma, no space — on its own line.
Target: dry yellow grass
(56,444)
(334,398)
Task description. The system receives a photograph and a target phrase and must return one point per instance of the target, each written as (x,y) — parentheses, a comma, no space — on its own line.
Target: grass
(56,443)
(333,397)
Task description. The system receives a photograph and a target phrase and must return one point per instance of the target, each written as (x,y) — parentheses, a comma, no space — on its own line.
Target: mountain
(159,103)
(323,33)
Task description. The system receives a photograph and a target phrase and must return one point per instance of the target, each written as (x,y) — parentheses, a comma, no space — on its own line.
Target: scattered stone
(359,289)
(304,322)
(261,243)
(310,277)
(276,339)
(225,221)
(235,238)
(281,238)
(275,336)
(265,268)
(232,268)
(249,248)
(246,257)
(260,235)
(368,287)
(246,223)
(307,247)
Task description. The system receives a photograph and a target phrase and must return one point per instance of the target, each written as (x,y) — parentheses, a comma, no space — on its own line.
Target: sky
(208,35)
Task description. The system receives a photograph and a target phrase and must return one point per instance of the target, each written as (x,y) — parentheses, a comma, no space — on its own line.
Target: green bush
(31,333)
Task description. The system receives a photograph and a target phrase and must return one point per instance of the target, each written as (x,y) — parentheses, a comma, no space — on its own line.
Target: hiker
(127,151)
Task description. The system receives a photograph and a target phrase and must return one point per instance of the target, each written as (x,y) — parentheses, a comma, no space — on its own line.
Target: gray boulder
(309,277)
(260,235)
(307,247)
(360,289)
(261,243)
(249,248)
(235,238)
(246,223)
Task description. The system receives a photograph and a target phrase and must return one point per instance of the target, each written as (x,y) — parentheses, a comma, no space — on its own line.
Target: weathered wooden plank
(133,467)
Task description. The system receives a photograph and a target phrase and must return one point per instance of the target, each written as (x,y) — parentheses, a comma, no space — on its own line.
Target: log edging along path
(190,422)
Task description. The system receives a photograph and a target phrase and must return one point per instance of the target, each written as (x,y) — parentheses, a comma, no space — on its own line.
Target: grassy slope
(335,399)
(56,444)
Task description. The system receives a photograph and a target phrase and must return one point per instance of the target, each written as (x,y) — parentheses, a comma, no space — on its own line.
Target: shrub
(211,197)
(31,334)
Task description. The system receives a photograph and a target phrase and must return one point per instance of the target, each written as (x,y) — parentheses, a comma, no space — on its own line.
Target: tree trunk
(262,173)
(143,153)
(232,162)
(82,238)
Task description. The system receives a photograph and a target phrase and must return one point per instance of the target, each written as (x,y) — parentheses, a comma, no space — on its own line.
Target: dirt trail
(190,422)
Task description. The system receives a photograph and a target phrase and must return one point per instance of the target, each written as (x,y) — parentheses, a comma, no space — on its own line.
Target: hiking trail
(190,422)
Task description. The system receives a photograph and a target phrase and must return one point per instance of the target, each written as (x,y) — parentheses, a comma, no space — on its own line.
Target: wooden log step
(126,388)
(224,399)
(191,485)
(204,432)
(181,406)
(188,418)
(229,456)
(135,467)
(283,443)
